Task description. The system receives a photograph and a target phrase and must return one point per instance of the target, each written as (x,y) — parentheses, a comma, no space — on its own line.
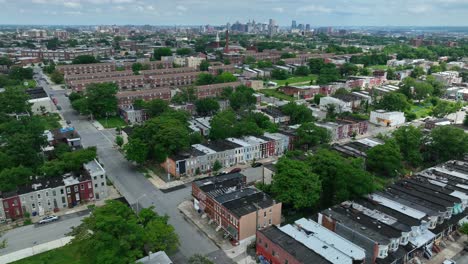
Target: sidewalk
(31,251)
(452,249)
(208,227)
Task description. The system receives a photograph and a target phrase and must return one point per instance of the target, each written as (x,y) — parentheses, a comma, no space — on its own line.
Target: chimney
(226,48)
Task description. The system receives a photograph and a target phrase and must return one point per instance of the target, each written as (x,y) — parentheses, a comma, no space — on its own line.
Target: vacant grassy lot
(421,110)
(112,122)
(67,254)
(276,94)
(296,79)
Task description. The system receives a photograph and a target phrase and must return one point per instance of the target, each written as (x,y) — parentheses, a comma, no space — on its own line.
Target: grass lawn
(50,121)
(379,67)
(112,122)
(31,84)
(296,79)
(421,110)
(277,94)
(67,254)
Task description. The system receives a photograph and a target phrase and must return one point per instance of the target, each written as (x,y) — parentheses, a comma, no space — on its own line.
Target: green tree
(464,228)
(20,73)
(223,125)
(160,52)
(394,102)
(249,60)
(113,234)
(12,177)
(136,150)
(4,60)
(294,183)
(364,71)
(199,259)
(84,59)
(298,113)
(183,51)
(446,143)
(206,106)
(410,140)
(204,65)
(385,160)
(137,67)
(217,166)
(57,77)
(242,98)
(316,65)
(444,108)
(417,72)
(53,43)
(14,100)
(302,71)
(156,107)
(349,69)
(328,73)
(119,141)
(342,179)
(279,74)
(225,77)
(309,135)
(465,121)
(100,99)
(391,75)
(205,79)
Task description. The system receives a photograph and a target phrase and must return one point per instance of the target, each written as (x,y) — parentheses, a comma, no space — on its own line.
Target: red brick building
(127,98)
(214,90)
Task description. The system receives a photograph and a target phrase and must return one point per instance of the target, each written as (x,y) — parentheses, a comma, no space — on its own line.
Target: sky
(217,12)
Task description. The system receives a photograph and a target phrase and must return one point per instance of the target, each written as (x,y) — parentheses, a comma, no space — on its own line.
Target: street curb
(187,218)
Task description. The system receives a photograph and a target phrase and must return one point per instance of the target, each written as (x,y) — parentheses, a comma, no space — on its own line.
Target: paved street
(31,235)
(134,186)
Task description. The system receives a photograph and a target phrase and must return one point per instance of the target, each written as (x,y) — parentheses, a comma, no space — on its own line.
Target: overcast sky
(215,12)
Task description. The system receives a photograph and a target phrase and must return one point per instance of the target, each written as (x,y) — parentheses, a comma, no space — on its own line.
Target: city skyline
(194,12)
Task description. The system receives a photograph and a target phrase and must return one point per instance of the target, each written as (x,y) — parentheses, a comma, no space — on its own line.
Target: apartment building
(173,79)
(86,68)
(217,69)
(345,128)
(68,54)
(126,98)
(239,210)
(300,92)
(101,75)
(214,90)
(48,195)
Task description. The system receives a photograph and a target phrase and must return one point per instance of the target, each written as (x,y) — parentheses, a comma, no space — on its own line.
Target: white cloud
(314,8)
(73,13)
(278,9)
(72,4)
(181,8)
(419,9)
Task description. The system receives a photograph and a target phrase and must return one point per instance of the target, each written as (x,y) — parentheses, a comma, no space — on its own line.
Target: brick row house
(107,67)
(229,152)
(236,209)
(407,222)
(214,90)
(44,196)
(126,98)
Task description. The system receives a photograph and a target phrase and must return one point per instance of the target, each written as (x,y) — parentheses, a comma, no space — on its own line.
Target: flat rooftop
(302,253)
(249,203)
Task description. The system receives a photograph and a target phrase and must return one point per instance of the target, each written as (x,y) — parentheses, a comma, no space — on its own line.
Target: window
(102,176)
(95,178)
(82,187)
(273,253)
(63,200)
(266,245)
(46,193)
(286,261)
(102,184)
(38,196)
(5,205)
(61,191)
(32,198)
(33,206)
(54,193)
(76,188)
(269,221)
(95,185)
(89,185)
(259,240)
(264,214)
(68,189)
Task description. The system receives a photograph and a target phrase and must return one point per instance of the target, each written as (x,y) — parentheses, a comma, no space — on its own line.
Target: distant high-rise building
(307,28)
(301,27)
(293,25)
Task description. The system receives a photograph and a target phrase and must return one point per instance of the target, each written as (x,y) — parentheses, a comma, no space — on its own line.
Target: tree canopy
(160,52)
(385,160)
(206,106)
(99,100)
(410,140)
(114,234)
(84,59)
(310,135)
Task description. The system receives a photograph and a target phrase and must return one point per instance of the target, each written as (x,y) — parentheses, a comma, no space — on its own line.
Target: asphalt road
(31,235)
(135,187)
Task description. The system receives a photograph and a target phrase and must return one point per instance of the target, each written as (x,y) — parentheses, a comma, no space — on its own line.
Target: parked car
(256,164)
(48,219)
(235,170)
(59,107)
